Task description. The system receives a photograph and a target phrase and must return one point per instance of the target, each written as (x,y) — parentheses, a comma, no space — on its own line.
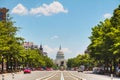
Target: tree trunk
(114,64)
(7,63)
(2,64)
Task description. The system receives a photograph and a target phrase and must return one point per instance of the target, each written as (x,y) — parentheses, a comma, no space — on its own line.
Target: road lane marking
(74,77)
(62,78)
(77,76)
(46,76)
(50,77)
(70,76)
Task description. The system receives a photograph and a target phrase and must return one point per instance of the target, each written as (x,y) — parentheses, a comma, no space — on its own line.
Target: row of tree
(104,49)
(105,42)
(12,53)
(81,59)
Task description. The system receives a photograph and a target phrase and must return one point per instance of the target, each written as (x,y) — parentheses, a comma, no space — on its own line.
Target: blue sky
(59,22)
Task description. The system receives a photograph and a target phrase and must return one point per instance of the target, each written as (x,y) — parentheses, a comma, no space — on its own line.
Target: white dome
(60,52)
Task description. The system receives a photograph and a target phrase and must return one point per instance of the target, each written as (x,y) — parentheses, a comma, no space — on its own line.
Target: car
(118,72)
(49,69)
(27,70)
(81,68)
(39,69)
(98,70)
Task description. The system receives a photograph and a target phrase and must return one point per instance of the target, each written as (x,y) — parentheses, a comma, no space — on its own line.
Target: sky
(59,22)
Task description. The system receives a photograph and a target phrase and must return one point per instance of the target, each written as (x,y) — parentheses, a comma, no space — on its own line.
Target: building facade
(60,60)
(30,45)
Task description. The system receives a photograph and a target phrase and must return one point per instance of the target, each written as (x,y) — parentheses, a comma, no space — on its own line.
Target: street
(59,40)
(56,75)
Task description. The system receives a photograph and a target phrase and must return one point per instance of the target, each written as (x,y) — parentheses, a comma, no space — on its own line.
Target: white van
(81,68)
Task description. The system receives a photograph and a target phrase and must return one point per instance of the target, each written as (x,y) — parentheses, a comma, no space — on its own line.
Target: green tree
(70,63)
(83,59)
(48,61)
(105,40)
(10,45)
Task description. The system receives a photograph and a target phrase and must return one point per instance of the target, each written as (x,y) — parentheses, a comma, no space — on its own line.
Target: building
(3,12)
(41,50)
(60,59)
(30,45)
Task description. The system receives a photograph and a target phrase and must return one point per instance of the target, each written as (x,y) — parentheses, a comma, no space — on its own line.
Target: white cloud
(54,37)
(107,15)
(66,50)
(47,10)
(50,50)
(19,9)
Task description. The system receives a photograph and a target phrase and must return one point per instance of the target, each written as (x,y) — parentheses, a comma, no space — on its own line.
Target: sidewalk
(100,77)
(9,76)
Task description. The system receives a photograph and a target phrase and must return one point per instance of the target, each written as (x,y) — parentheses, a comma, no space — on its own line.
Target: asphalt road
(56,75)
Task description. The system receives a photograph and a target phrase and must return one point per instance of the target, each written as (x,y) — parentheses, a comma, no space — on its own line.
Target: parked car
(27,70)
(49,69)
(40,69)
(80,70)
(98,70)
(118,72)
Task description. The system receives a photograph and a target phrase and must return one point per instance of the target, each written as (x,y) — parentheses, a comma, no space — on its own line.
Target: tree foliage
(81,59)
(13,52)
(105,40)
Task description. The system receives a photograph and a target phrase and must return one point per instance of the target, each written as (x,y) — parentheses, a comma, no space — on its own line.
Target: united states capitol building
(60,60)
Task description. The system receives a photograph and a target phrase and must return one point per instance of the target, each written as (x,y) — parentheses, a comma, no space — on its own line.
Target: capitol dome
(60,60)
(60,54)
